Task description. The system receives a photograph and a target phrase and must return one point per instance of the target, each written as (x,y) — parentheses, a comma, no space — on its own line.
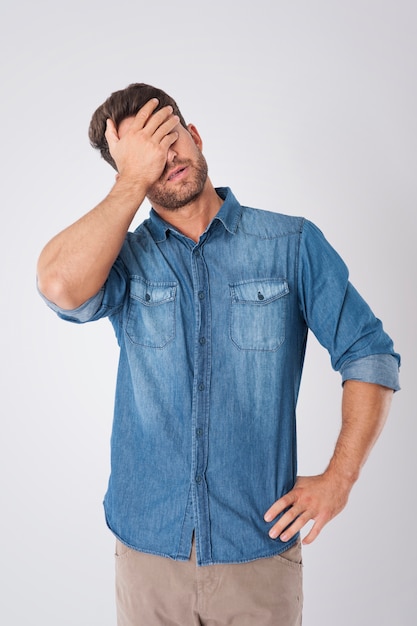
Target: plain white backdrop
(305,107)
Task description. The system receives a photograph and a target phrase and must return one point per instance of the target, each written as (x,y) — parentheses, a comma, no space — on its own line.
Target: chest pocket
(258,313)
(151,313)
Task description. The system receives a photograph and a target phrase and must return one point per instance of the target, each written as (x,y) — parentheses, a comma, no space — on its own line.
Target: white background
(305,107)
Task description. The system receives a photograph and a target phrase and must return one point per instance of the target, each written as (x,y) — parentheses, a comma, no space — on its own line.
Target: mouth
(177,173)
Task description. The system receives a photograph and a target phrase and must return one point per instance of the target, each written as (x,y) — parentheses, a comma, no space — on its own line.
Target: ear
(195,135)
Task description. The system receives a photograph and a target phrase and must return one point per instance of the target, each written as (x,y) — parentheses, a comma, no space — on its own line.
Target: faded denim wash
(212,338)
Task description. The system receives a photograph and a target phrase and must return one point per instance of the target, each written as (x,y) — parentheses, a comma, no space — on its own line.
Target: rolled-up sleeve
(381,369)
(340,318)
(84,313)
(109,299)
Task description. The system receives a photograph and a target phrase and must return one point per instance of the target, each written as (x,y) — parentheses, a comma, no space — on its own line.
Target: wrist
(129,183)
(127,191)
(341,474)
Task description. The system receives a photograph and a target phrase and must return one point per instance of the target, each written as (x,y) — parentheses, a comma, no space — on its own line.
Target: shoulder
(269,225)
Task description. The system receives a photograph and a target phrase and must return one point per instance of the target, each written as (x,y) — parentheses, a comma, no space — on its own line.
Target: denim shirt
(212,338)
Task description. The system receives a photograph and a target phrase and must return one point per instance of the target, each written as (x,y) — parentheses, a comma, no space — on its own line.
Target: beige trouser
(155,591)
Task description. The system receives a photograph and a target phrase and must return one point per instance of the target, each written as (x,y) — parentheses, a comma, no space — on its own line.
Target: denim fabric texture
(212,339)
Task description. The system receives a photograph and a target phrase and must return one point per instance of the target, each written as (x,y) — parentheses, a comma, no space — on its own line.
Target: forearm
(365,408)
(74,265)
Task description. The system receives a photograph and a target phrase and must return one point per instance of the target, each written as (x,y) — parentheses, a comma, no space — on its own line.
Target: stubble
(185,193)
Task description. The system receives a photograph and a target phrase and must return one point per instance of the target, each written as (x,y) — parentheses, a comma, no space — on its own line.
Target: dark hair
(122,104)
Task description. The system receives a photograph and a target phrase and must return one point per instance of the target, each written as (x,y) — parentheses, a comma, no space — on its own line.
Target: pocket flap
(259,291)
(150,293)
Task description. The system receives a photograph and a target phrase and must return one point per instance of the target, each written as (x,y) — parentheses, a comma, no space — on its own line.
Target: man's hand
(140,146)
(320,498)
(316,498)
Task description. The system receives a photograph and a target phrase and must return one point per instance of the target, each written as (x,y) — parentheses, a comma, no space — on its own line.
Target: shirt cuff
(381,369)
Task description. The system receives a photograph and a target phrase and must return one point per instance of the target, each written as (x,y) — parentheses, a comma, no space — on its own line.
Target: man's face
(185,172)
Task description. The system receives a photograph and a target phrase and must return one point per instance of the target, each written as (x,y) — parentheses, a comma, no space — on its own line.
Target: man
(211,302)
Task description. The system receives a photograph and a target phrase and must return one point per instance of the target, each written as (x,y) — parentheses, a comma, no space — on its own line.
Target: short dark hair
(121,104)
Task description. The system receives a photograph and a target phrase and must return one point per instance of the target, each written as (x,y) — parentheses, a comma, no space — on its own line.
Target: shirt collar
(229,215)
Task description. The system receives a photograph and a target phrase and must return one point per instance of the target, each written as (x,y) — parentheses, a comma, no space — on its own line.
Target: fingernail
(284,537)
(273,533)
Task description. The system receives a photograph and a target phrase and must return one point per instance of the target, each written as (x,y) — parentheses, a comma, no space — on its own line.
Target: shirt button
(198,479)
(201,387)
(202,341)
(147,297)
(199,432)
(201,295)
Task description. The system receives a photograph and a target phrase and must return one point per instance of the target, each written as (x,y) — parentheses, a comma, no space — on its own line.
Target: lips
(177,172)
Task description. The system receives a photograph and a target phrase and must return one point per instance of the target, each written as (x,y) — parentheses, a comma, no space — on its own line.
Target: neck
(192,219)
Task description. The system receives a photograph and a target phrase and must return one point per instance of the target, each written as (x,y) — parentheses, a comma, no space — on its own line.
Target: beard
(185,193)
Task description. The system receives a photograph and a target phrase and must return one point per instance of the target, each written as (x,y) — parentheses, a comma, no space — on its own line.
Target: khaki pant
(155,591)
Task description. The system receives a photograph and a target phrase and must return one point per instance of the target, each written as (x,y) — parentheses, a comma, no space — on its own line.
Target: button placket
(200,397)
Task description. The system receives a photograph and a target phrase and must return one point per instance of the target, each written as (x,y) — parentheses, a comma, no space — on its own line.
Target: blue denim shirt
(212,338)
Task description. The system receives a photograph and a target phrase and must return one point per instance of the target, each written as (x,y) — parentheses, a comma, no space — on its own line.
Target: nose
(171,156)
